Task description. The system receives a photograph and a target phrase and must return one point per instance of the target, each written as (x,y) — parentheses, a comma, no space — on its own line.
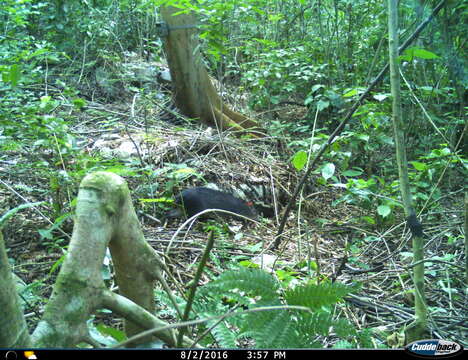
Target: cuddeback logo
(434,348)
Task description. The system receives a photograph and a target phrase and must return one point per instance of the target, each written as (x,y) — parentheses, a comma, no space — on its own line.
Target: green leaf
(254,248)
(184,172)
(423,54)
(363,137)
(15,74)
(308,100)
(415,52)
(45,102)
(48,233)
(45,234)
(352,173)
(419,165)
(369,220)
(79,103)
(248,264)
(275,100)
(114,333)
(350,93)
(322,105)
(299,160)
(384,210)
(57,264)
(316,87)
(38,52)
(328,170)
(123,171)
(275,18)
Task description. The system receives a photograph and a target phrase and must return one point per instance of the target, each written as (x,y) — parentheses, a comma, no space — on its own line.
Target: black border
(210,354)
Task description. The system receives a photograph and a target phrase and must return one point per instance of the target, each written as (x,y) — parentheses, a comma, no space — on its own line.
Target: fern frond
(251,282)
(315,324)
(316,296)
(286,328)
(224,336)
(270,329)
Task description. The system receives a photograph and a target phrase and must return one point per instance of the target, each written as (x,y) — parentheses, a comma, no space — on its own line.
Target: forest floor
(155,152)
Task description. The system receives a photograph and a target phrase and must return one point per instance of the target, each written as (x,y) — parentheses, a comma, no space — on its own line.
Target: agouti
(195,200)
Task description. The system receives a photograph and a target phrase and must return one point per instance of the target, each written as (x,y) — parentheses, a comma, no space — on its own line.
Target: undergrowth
(252,297)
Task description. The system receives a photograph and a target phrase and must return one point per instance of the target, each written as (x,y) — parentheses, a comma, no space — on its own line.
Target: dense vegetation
(72,71)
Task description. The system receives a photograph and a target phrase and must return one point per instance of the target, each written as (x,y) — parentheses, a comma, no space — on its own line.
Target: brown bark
(194,92)
(104,217)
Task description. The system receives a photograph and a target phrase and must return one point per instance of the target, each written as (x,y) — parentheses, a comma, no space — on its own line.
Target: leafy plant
(274,328)
(278,74)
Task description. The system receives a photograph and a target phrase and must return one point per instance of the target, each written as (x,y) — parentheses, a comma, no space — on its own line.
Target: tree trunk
(194,93)
(418,329)
(104,217)
(466,238)
(13,330)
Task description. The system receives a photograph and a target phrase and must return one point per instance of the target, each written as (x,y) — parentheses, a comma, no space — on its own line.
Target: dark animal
(195,200)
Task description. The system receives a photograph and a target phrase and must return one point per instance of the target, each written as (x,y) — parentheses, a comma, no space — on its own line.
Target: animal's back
(198,199)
